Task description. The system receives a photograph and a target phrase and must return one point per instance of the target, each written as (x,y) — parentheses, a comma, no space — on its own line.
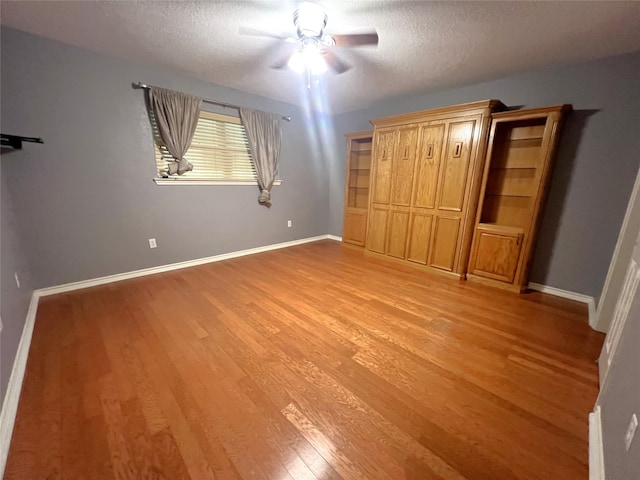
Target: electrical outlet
(631,431)
(152,243)
(289,223)
(15,274)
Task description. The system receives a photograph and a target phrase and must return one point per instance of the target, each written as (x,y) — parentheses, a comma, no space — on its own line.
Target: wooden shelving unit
(358,179)
(521,148)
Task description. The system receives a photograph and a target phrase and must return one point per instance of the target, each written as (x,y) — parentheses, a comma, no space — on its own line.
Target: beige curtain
(264,136)
(176,116)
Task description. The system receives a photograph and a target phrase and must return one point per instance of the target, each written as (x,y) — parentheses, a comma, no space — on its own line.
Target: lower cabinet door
(420,237)
(444,242)
(355,227)
(495,254)
(398,227)
(377,234)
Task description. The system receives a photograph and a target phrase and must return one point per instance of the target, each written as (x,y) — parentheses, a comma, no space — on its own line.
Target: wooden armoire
(425,183)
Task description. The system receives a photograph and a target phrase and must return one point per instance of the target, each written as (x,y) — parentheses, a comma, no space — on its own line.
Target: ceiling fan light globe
(296,62)
(315,63)
(310,20)
(312,58)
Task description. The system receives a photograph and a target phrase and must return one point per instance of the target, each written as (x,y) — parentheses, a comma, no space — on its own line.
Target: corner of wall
(12,396)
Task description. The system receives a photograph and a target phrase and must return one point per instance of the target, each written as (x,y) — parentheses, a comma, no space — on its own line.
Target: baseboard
(596,451)
(334,237)
(578,297)
(14,387)
(68,287)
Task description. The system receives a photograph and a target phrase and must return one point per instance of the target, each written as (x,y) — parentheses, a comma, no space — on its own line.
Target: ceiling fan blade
(281,62)
(255,32)
(335,63)
(356,39)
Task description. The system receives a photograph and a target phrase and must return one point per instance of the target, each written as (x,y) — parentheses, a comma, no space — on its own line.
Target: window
(219,152)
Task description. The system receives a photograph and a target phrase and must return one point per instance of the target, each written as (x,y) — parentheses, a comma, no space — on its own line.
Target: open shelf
(516,171)
(360,162)
(514,168)
(359,180)
(507,210)
(359,148)
(500,228)
(358,197)
(519,182)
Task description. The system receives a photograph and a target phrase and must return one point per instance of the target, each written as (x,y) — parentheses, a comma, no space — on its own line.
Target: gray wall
(595,167)
(85,201)
(14,301)
(620,398)
(83,204)
(618,267)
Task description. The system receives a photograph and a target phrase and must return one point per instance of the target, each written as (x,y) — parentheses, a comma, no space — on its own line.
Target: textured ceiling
(424,46)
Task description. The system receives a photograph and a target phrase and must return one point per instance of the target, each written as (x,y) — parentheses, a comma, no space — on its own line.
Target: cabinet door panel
(420,237)
(384,143)
(377,229)
(496,255)
(398,227)
(355,226)
(445,239)
(455,165)
(428,166)
(404,162)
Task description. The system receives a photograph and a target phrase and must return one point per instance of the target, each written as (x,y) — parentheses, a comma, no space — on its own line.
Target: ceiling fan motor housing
(309,20)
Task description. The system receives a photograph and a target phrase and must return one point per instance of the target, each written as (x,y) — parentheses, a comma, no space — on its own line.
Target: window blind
(219,150)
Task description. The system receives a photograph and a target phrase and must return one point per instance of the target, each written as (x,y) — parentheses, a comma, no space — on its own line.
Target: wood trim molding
(620,316)
(596,447)
(451,111)
(578,297)
(14,387)
(358,135)
(609,298)
(68,287)
(535,112)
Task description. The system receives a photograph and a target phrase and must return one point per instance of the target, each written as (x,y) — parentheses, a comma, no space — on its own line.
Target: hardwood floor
(312,362)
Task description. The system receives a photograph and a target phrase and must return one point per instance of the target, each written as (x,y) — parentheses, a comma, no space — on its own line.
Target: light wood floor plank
(313,362)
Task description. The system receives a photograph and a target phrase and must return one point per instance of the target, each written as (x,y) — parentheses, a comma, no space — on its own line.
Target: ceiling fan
(313,54)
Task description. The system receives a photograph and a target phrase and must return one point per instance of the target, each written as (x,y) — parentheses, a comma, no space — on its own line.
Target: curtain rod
(206,100)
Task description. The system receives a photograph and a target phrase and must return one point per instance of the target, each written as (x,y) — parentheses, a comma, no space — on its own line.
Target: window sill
(194,181)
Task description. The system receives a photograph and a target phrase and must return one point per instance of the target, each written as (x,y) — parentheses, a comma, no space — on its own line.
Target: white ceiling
(424,46)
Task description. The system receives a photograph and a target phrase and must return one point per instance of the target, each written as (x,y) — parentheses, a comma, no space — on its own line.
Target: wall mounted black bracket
(15,141)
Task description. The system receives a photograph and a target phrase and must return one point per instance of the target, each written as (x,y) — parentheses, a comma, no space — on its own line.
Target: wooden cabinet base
(496,283)
(355,226)
(417,266)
